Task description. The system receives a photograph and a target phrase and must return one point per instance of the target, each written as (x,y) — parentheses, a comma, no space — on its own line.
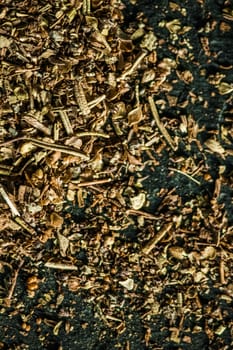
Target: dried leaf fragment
(128,284)
(138,201)
(4,42)
(135,116)
(149,41)
(57,327)
(81,98)
(177,252)
(173,26)
(26,148)
(215,146)
(63,244)
(32,283)
(208,253)
(225,88)
(56,220)
(148,75)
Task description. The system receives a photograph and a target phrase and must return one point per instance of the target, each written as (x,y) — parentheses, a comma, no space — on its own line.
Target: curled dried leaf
(135,116)
(177,252)
(125,45)
(225,88)
(148,75)
(63,244)
(26,148)
(208,253)
(32,283)
(138,201)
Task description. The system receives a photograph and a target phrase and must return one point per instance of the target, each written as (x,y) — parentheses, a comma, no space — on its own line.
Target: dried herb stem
(96,101)
(141,213)
(5,169)
(49,146)
(66,122)
(92,133)
(60,266)
(37,125)
(133,67)
(13,284)
(91,183)
(11,205)
(160,124)
(160,235)
(188,176)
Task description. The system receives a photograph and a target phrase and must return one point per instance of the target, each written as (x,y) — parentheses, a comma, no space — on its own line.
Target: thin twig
(13,284)
(61,266)
(92,133)
(160,235)
(133,67)
(188,176)
(91,183)
(222,270)
(160,124)
(5,169)
(15,213)
(96,101)
(24,225)
(11,205)
(141,213)
(48,145)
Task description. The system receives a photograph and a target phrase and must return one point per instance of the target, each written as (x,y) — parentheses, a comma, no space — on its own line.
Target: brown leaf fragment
(215,147)
(177,252)
(37,124)
(56,220)
(4,42)
(63,244)
(132,160)
(135,116)
(208,253)
(148,76)
(138,201)
(128,284)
